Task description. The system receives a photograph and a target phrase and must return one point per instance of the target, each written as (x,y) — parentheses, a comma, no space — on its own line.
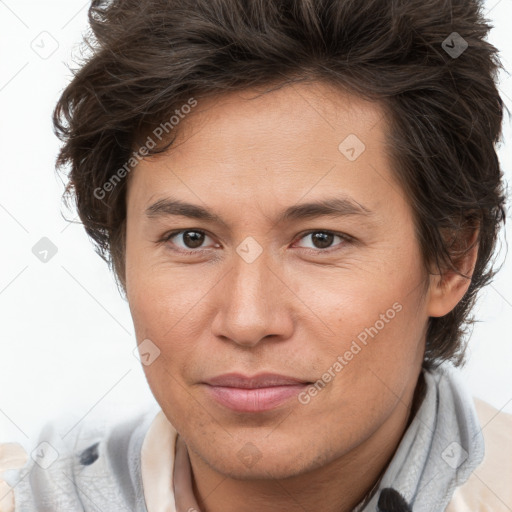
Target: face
(298,257)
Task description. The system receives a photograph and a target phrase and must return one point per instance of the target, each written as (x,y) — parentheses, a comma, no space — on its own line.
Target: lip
(261,380)
(262,392)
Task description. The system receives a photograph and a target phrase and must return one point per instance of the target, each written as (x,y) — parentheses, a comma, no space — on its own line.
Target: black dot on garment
(89,455)
(392,501)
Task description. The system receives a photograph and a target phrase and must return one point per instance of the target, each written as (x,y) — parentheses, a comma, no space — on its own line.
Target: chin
(243,460)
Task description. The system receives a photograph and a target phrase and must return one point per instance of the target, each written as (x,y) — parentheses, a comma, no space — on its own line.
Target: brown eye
(323,240)
(193,239)
(187,240)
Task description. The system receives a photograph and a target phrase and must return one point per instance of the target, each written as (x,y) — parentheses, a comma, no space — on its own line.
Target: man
(300,201)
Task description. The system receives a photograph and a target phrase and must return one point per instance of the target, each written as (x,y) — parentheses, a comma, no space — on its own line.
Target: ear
(447,288)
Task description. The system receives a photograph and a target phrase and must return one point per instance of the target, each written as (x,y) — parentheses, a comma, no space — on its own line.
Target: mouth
(258,393)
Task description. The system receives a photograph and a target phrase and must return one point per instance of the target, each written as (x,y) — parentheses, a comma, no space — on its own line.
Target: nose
(254,303)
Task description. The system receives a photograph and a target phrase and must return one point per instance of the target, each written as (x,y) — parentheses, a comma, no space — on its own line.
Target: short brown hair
(427,63)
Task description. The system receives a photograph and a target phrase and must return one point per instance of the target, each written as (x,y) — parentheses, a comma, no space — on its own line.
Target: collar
(438,452)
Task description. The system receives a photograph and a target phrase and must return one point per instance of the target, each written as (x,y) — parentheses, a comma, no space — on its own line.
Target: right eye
(191,240)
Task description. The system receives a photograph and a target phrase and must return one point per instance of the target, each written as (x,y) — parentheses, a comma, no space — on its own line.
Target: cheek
(382,360)
(347,301)
(376,331)
(171,311)
(161,316)
(160,294)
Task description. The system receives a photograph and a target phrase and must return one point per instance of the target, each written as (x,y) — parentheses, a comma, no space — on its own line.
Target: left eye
(322,239)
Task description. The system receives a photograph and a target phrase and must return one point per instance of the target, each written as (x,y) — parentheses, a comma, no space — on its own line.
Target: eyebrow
(333,207)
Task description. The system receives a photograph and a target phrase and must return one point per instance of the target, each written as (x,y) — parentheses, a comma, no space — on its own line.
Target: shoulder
(92,466)
(12,457)
(488,488)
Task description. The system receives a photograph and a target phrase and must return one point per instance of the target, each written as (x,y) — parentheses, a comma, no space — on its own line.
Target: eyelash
(168,236)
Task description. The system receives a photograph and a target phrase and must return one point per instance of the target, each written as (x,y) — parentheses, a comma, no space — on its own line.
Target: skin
(294,309)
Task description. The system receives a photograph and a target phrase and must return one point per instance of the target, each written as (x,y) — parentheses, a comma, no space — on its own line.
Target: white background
(66,334)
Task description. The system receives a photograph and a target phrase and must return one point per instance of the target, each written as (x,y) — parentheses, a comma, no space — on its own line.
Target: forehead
(295,140)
